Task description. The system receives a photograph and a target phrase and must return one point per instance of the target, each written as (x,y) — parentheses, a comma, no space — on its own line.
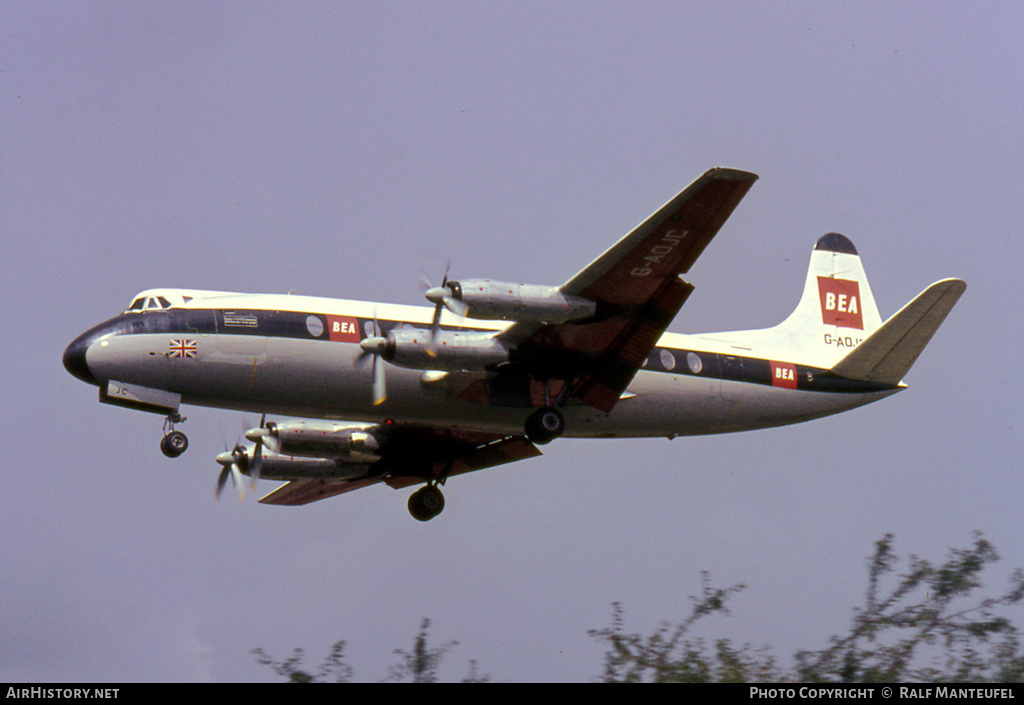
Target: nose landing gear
(174,443)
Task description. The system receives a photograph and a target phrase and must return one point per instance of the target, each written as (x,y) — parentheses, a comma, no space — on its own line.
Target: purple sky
(340,149)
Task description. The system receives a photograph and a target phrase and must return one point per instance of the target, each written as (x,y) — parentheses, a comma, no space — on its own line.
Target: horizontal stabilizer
(888,354)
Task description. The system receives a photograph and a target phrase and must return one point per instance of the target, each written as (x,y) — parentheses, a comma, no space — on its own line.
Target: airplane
(370,393)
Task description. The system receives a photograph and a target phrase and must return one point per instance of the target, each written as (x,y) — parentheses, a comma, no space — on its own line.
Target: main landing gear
(426,503)
(545,425)
(542,426)
(174,443)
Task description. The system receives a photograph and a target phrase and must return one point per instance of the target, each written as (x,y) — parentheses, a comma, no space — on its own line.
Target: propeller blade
(380,392)
(232,466)
(374,346)
(435,326)
(236,477)
(439,296)
(222,480)
(456,306)
(257,464)
(257,435)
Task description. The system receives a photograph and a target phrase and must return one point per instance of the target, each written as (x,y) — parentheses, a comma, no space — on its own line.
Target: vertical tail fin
(837,310)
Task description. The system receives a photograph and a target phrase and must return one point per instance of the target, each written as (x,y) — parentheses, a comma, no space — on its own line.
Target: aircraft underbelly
(684,406)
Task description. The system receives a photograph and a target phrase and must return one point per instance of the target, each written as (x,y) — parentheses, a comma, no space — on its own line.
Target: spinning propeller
(233,462)
(256,435)
(442,297)
(374,347)
(236,461)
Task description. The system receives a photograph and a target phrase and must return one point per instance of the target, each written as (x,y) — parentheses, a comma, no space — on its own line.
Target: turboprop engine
(491,300)
(446,350)
(271,466)
(299,450)
(319,439)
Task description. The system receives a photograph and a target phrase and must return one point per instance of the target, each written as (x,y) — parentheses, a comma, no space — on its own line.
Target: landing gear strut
(426,503)
(174,443)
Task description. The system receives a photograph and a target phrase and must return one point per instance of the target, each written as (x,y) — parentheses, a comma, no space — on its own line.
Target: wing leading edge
(666,244)
(638,292)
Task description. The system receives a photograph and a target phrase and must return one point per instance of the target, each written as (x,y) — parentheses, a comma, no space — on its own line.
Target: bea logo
(840,302)
(783,375)
(343,329)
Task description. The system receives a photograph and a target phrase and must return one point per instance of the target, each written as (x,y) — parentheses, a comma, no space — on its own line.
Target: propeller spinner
(233,463)
(444,296)
(236,461)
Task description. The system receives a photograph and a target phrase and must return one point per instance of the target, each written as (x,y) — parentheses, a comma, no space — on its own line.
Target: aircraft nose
(74,359)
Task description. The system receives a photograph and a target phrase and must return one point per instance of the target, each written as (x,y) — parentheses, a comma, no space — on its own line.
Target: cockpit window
(148,303)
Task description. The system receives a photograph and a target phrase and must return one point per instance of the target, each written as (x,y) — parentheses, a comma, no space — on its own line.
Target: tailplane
(888,353)
(836,325)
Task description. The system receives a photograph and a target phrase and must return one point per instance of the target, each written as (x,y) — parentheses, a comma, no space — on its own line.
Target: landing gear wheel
(174,444)
(545,425)
(426,503)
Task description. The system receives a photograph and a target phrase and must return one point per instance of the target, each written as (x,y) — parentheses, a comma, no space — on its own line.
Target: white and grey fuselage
(301,356)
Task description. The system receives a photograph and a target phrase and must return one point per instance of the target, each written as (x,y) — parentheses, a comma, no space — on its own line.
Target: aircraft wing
(638,292)
(412,455)
(298,492)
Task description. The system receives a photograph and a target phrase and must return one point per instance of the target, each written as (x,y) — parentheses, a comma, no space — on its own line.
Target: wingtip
(729,174)
(953,286)
(955,283)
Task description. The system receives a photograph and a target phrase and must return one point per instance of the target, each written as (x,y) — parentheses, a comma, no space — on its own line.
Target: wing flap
(488,455)
(298,492)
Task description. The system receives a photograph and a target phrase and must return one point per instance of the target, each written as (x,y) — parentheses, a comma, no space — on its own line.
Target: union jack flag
(182,347)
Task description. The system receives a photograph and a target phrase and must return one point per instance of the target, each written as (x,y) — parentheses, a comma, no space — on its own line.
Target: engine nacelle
(451,351)
(327,440)
(287,467)
(492,300)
